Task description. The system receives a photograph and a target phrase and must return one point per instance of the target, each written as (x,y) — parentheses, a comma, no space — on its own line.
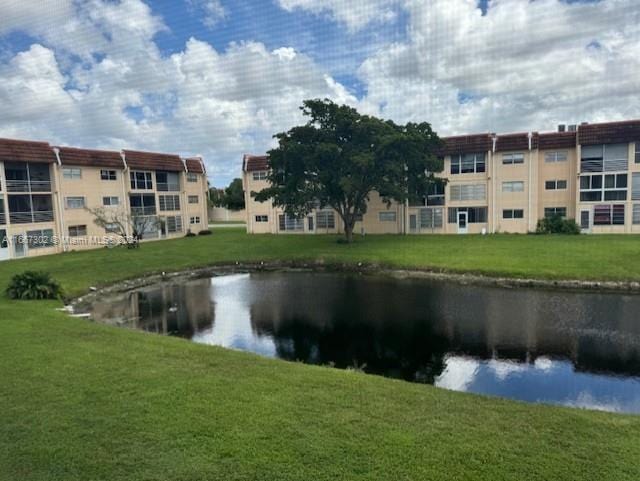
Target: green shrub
(32,285)
(190,234)
(204,232)
(556,224)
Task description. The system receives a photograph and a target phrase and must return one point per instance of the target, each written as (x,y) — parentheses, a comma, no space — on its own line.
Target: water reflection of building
(178,309)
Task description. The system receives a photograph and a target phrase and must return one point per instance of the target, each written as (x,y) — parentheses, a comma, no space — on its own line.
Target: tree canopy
(340,156)
(231,197)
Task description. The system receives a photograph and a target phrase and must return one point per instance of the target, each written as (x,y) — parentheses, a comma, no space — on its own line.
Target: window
(174,224)
(554,211)
(636,214)
(598,187)
(262,218)
(77,230)
(608,215)
(24,177)
(468,163)
(637,152)
(635,186)
(194,220)
(508,159)
(192,177)
(72,173)
(555,185)
(167,181)
(141,180)
(435,194)
(389,216)
(143,204)
(325,219)
(261,175)
(194,199)
(468,192)
(604,158)
(550,157)
(37,239)
(30,208)
(289,223)
(108,175)
(74,202)
(110,201)
(514,186)
(513,214)
(431,218)
(169,202)
(476,215)
(112,228)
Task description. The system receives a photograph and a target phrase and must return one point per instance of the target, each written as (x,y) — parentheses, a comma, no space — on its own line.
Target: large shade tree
(340,157)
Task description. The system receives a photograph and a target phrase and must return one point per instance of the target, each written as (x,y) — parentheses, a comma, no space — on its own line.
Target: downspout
(494,183)
(184,202)
(205,205)
(124,189)
(56,151)
(529,212)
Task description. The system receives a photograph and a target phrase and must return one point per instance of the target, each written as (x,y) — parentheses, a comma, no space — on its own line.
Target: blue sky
(219,77)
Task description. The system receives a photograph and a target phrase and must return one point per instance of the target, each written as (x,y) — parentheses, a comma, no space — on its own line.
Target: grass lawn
(81,401)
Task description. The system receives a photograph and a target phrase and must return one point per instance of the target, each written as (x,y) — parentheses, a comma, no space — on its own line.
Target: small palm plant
(33,285)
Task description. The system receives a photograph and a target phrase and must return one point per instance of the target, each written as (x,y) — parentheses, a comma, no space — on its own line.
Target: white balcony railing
(30,217)
(142,211)
(28,186)
(164,187)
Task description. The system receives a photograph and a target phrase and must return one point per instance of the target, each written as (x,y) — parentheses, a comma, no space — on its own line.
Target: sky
(218,78)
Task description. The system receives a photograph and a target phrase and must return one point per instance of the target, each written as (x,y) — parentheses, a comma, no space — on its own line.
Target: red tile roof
(251,163)
(466,144)
(557,140)
(26,151)
(195,165)
(153,161)
(609,133)
(520,141)
(91,158)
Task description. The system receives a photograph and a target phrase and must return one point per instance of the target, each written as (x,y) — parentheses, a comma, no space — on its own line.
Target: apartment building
(46,193)
(496,183)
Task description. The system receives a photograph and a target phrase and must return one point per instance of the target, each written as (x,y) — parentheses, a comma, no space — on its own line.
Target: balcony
(3,218)
(31,217)
(28,186)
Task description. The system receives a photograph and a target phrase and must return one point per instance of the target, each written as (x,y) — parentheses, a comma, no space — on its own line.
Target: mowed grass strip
(82,401)
(606,258)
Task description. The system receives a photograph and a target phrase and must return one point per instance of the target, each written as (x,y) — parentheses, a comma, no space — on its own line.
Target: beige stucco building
(497,183)
(46,193)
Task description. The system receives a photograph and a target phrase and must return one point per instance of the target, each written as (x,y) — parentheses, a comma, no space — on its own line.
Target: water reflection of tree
(360,327)
(405,329)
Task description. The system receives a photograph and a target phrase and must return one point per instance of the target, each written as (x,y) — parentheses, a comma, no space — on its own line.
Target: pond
(579,349)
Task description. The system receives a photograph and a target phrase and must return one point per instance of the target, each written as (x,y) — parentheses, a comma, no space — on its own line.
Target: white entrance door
(463,218)
(19,245)
(4,245)
(585,221)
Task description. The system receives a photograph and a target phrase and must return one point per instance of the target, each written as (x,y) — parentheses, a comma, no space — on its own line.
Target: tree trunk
(348,231)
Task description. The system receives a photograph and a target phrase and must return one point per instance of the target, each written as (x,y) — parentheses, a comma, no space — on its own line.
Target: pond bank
(364,269)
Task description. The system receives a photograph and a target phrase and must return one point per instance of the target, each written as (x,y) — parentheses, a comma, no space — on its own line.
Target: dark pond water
(574,349)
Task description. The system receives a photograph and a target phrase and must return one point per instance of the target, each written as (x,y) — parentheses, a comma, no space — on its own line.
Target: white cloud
(125,94)
(355,14)
(522,65)
(212,11)
(459,374)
